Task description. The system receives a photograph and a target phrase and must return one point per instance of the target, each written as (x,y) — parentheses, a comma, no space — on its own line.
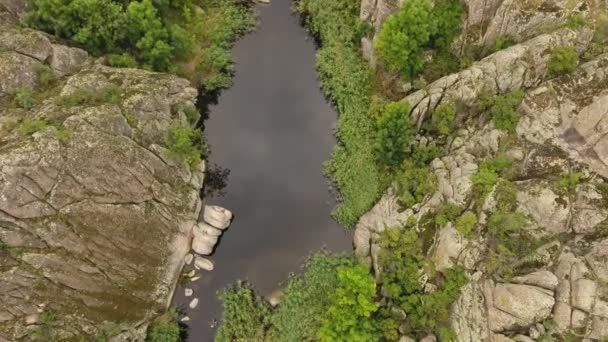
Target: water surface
(273,130)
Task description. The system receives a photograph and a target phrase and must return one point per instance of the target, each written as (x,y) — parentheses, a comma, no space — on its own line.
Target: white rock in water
(191,274)
(194,303)
(185,319)
(203,228)
(216,216)
(202,263)
(188,292)
(188,258)
(195,279)
(265,2)
(203,244)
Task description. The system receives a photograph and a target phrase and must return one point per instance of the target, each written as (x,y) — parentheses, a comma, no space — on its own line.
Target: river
(273,130)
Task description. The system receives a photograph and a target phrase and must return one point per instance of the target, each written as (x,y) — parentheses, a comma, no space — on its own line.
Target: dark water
(273,130)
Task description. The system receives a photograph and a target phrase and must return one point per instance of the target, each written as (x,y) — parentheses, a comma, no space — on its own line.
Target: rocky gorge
(559,285)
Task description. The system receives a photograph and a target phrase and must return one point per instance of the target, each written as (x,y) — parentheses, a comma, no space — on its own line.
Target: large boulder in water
(218,217)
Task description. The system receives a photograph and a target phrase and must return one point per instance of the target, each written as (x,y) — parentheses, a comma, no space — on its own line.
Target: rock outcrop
(96,215)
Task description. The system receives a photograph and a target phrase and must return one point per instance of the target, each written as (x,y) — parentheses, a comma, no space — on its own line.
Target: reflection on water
(273,131)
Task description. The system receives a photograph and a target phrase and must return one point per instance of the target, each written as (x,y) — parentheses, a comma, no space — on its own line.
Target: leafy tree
(306,299)
(564,59)
(489,174)
(246,315)
(394,131)
(403,36)
(123,60)
(447,17)
(502,109)
(443,118)
(466,223)
(348,318)
(414,184)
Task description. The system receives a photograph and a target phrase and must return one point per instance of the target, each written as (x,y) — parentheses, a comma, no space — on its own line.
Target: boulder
(544,207)
(193,303)
(188,292)
(67,60)
(514,306)
(217,217)
(468,317)
(541,278)
(203,264)
(204,244)
(204,229)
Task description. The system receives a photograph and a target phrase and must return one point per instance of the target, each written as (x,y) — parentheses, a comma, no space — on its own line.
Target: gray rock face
(97,223)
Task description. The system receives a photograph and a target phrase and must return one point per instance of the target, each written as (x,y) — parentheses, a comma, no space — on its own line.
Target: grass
(89,97)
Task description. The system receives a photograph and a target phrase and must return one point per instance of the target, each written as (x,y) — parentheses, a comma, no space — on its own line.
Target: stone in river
(194,303)
(202,263)
(216,216)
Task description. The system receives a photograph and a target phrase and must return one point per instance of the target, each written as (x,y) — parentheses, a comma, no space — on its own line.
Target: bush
(29,127)
(489,174)
(348,318)
(575,21)
(414,184)
(403,36)
(123,60)
(446,212)
(346,78)
(564,59)
(443,118)
(394,131)
(506,195)
(62,134)
(447,17)
(45,75)
(466,223)
(500,43)
(246,316)
(306,299)
(111,94)
(24,98)
(402,260)
(186,145)
(567,184)
(164,329)
(502,109)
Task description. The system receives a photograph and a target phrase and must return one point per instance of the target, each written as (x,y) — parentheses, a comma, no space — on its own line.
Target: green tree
(414,184)
(164,329)
(502,109)
(246,315)
(394,131)
(466,223)
(443,118)
(447,17)
(403,36)
(348,318)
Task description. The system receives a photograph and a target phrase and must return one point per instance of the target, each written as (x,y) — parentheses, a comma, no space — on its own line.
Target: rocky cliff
(557,286)
(95,213)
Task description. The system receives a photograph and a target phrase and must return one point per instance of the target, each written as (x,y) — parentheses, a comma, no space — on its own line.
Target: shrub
(446,212)
(446,16)
(489,173)
(217,67)
(24,98)
(500,43)
(506,195)
(506,227)
(131,119)
(306,299)
(346,78)
(403,36)
(567,184)
(466,223)
(575,21)
(29,127)
(348,318)
(502,109)
(394,131)
(246,316)
(443,118)
(45,75)
(62,134)
(402,260)
(123,60)
(164,329)
(111,94)
(564,59)
(185,144)
(414,184)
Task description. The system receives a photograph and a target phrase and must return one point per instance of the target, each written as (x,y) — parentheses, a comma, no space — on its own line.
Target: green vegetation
(80,97)
(394,132)
(62,134)
(246,315)
(173,35)
(45,74)
(24,98)
(567,184)
(564,60)
(348,316)
(575,21)
(414,184)
(489,174)
(401,259)
(466,223)
(306,299)
(164,329)
(346,78)
(446,212)
(29,127)
(443,118)
(44,331)
(502,109)
(415,27)
(186,145)
(131,119)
